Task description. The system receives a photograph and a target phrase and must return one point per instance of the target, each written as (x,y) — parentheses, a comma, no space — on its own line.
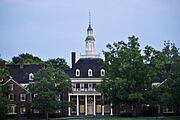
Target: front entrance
(90,107)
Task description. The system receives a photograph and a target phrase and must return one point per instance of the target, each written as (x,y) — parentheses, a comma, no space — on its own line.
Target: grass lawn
(113,118)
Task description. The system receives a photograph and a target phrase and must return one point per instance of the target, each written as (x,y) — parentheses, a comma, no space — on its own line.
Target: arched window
(77,72)
(31,76)
(90,73)
(102,72)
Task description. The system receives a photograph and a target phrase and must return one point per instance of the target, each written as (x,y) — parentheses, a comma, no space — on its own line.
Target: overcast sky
(55,28)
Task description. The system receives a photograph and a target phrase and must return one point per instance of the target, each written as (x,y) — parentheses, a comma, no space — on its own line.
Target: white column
(94,105)
(85,104)
(77,107)
(111,113)
(102,109)
(69,109)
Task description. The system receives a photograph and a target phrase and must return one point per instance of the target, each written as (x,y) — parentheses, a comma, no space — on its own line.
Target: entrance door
(90,108)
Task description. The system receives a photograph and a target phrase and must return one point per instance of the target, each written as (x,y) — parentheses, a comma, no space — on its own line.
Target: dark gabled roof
(84,64)
(21,75)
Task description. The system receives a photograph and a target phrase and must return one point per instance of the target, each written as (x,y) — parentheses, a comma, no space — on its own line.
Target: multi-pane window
(90,73)
(11,87)
(77,86)
(11,97)
(82,86)
(90,86)
(77,72)
(74,86)
(12,109)
(22,109)
(23,97)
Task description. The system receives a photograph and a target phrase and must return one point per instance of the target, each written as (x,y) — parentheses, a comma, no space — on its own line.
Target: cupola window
(102,72)
(77,72)
(90,73)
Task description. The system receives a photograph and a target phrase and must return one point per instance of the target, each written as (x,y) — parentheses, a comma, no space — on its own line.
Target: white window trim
(21,110)
(11,86)
(31,76)
(77,73)
(90,86)
(21,96)
(74,86)
(82,85)
(13,109)
(102,72)
(10,97)
(90,72)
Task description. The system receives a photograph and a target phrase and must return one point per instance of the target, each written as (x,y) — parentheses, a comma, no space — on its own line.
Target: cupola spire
(90,41)
(89,18)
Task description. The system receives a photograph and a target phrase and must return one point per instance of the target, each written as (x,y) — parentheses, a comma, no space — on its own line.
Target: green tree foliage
(130,74)
(27,59)
(4,101)
(125,77)
(4,73)
(49,84)
(58,64)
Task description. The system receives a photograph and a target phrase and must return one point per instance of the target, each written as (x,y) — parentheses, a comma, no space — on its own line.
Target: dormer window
(102,72)
(90,72)
(77,72)
(31,76)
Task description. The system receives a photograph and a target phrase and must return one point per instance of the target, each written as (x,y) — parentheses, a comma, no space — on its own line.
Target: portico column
(111,113)
(102,109)
(85,104)
(94,105)
(77,105)
(69,109)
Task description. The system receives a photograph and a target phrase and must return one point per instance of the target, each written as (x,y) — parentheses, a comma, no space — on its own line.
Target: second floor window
(22,97)
(11,97)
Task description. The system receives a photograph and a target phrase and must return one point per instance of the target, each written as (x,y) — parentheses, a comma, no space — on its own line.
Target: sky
(55,28)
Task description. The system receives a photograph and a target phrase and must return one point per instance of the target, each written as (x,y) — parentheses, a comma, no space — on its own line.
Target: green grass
(113,118)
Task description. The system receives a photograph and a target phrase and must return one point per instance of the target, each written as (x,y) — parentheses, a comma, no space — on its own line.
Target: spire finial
(89,17)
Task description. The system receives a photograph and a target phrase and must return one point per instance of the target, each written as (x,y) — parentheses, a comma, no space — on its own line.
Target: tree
(125,77)
(27,59)
(58,64)
(49,84)
(164,67)
(4,101)
(4,73)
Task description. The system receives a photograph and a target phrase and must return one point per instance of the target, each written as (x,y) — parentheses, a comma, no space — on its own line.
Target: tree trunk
(47,115)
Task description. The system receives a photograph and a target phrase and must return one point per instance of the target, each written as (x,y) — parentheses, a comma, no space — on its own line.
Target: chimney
(21,62)
(73,58)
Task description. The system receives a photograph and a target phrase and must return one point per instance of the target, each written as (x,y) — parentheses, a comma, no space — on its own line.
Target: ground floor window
(106,108)
(22,109)
(168,109)
(98,108)
(82,109)
(12,109)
